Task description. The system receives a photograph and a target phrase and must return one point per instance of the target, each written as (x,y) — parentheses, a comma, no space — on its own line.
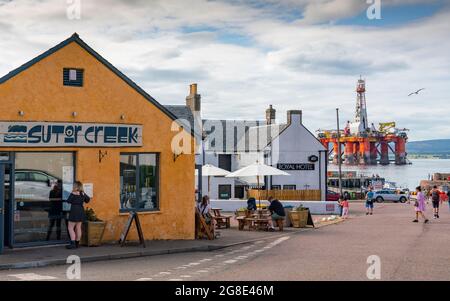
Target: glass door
(2,207)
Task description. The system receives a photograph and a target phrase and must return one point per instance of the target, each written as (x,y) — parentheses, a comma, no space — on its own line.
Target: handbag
(416,204)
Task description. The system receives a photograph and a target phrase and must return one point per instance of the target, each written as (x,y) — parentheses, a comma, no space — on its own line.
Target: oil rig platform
(362,144)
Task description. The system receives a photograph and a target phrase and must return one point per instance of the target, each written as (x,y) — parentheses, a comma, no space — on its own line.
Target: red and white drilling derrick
(362,144)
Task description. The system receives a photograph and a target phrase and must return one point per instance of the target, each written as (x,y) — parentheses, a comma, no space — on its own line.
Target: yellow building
(70,115)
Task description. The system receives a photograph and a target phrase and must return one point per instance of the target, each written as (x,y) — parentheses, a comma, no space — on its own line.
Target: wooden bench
(221,220)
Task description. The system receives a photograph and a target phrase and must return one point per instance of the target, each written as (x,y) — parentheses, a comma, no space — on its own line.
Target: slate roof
(76,39)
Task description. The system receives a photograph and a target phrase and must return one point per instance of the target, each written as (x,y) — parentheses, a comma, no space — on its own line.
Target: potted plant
(93,229)
(299,216)
(241,212)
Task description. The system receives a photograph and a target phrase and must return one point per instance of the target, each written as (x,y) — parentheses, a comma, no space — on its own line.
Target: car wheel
(402,200)
(379,199)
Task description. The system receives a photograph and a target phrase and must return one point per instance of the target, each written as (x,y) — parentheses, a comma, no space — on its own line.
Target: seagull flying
(417,92)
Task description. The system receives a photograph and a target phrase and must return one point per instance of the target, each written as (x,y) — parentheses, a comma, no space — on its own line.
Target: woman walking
(419,205)
(76,216)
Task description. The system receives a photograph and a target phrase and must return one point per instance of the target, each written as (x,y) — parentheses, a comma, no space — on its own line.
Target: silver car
(389,195)
(33,185)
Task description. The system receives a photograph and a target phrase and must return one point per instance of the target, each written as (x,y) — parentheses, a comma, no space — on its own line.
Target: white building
(233,144)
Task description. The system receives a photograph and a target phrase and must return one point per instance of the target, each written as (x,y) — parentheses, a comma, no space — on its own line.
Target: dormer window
(73,77)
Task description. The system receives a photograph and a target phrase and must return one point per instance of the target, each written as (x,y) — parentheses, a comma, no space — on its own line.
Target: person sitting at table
(277,212)
(204,208)
(251,204)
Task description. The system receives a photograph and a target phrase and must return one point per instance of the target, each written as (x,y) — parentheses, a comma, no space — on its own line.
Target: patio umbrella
(257,170)
(209,170)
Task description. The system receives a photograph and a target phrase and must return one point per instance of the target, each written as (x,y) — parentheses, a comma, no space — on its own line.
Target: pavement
(57,255)
(387,242)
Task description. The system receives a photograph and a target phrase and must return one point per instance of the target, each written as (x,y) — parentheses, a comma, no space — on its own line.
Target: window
(43,181)
(225,162)
(276,187)
(139,182)
(224,192)
(289,187)
(73,77)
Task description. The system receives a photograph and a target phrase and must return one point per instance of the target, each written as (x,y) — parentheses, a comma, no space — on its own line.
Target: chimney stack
(294,116)
(193,100)
(270,115)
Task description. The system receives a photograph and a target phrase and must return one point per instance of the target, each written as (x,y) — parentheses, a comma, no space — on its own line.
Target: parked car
(33,185)
(332,196)
(389,195)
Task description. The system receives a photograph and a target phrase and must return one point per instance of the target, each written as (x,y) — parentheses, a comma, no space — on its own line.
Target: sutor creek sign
(59,134)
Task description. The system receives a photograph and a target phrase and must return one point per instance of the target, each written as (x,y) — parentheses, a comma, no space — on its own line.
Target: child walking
(345,206)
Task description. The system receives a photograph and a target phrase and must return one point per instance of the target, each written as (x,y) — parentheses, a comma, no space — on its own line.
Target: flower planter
(299,218)
(93,233)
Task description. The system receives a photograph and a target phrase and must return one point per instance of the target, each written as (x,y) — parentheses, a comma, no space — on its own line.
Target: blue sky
(245,55)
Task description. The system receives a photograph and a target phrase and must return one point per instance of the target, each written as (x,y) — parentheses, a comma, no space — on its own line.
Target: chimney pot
(193,100)
(193,89)
(294,115)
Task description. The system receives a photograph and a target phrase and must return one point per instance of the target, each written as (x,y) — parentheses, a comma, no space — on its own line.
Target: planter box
(299,219)
(93,233)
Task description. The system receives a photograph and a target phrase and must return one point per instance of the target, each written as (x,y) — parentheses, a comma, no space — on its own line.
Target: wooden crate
(93,233)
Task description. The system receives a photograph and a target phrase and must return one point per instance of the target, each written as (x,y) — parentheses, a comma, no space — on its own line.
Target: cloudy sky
(247,54)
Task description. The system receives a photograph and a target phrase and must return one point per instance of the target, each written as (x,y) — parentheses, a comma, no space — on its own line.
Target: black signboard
(295,166)
(133,216)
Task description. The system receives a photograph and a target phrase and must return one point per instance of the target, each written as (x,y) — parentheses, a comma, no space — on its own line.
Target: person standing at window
(76,216)
(55,212)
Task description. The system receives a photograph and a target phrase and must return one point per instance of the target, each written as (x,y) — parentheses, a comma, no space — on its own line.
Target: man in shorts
(369,201)
(435,200)
(277,212)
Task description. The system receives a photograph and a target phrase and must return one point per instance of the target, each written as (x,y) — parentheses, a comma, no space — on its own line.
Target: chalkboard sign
(133,216)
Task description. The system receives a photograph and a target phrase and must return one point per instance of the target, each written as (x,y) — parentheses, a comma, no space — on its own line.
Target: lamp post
(339,151)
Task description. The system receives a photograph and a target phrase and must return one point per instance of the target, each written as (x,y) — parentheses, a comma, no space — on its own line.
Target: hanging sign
(56,134)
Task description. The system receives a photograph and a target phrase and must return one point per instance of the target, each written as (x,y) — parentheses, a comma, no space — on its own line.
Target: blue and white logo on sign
(49,134)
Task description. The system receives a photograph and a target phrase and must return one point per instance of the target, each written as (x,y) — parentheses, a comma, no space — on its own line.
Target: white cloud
(292,65)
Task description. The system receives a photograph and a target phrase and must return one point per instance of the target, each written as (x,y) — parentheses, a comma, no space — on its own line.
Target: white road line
(202,271)
(176,279)
(144,279)
(186,276)
(165,273)
(32,276)
(230,261)
(206,259)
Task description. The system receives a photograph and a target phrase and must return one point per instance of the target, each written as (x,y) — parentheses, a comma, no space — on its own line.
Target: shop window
(73,77)
(139,182)
(42,182)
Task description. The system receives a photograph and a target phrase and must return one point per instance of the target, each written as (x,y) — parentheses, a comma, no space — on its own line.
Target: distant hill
(440,146)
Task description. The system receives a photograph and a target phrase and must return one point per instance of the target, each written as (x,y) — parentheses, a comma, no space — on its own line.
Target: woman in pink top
(419,205)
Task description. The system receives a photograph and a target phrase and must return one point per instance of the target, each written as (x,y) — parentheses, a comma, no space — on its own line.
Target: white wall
(294,145)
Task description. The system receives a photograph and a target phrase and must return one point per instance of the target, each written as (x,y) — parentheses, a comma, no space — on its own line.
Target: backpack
(435,195)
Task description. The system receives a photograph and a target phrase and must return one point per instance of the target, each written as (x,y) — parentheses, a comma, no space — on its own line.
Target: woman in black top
(76,216)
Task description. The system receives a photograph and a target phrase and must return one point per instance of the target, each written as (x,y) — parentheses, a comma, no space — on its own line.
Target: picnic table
(221,220)
(257,220)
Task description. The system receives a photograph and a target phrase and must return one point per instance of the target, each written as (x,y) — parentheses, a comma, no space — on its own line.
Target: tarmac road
(407,251)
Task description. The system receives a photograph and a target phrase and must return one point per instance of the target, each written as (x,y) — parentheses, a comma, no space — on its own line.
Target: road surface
(407,251)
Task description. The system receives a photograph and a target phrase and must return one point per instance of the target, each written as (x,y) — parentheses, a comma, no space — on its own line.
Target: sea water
(405,176)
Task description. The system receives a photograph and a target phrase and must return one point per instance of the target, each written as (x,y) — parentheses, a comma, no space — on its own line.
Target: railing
(288,195)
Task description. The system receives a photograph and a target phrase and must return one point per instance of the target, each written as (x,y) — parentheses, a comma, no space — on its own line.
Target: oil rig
(362,144)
